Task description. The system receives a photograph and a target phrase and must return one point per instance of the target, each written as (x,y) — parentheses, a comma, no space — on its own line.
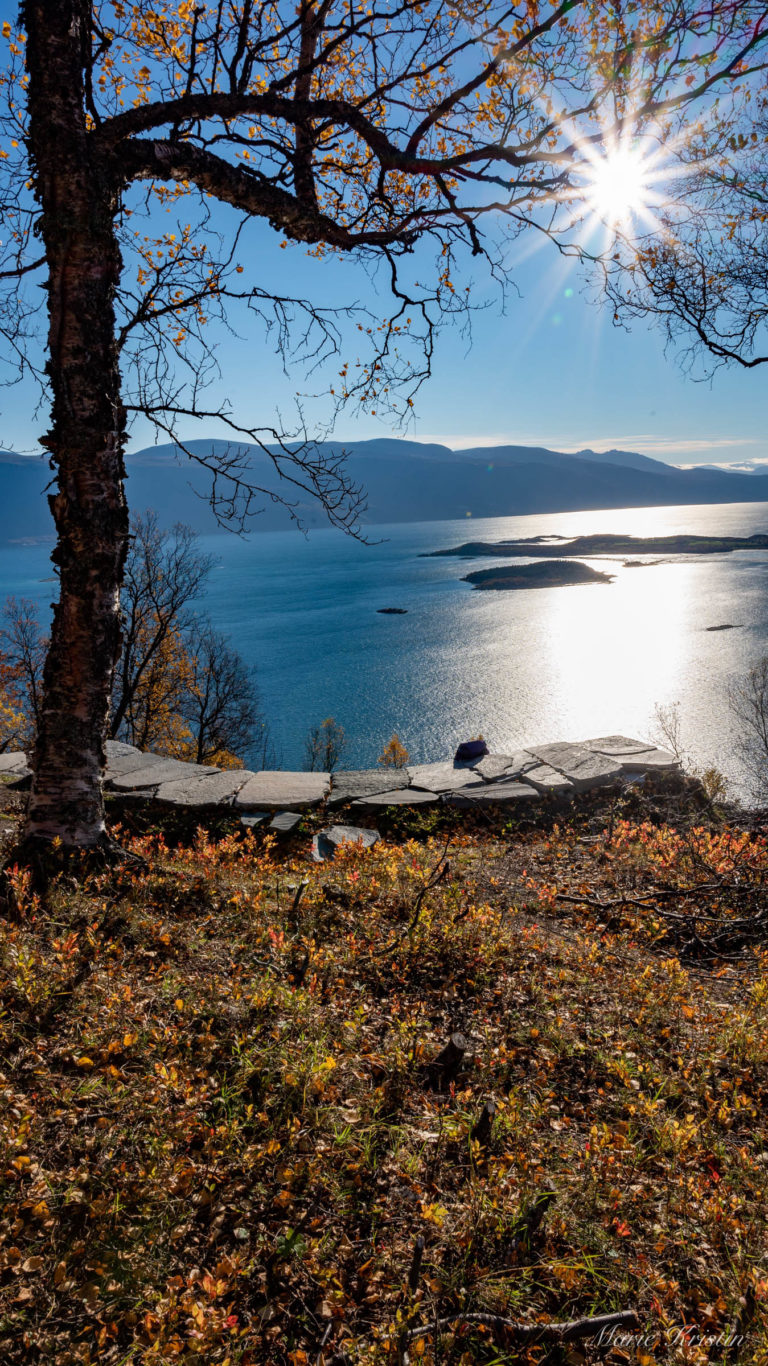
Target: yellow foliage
(13,723)
(394,754)
(155,713)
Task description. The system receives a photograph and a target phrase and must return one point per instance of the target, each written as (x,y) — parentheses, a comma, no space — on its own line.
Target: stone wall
(529,775)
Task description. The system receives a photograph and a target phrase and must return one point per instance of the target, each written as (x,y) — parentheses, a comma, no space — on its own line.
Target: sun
(618,184)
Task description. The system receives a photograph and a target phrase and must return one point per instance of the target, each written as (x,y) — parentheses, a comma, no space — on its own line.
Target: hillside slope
(440,1098)
(405,481)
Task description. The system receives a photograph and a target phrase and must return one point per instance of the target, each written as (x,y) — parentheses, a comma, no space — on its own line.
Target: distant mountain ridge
(405,481)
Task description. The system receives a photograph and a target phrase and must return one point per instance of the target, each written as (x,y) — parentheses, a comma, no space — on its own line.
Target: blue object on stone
(470,749)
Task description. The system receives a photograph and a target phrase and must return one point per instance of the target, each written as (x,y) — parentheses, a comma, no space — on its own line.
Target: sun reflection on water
(550,664)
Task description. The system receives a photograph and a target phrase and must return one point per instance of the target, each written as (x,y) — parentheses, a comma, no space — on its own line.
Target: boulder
(326,842)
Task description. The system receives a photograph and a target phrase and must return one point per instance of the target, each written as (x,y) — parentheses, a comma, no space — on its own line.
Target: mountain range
(405,481)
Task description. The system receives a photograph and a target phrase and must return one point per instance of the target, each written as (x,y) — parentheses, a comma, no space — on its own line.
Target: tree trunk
(78,200)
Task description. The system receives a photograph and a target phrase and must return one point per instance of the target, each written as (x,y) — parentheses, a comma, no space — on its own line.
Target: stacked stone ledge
(530,775)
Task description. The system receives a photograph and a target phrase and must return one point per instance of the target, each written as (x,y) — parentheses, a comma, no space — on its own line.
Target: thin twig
(437,874)
(510,1330)
(326,1335)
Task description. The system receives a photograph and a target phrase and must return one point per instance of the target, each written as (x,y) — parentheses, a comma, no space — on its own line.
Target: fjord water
(521,666)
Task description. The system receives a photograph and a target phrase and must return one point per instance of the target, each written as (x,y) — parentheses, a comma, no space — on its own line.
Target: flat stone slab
(651,761)
(404,796)
(493,794)
(214,789)
(123,759)
(157,769)
(492,766)
(347,786)
(547,779)
(283,789)
(616,745)
(502,779)
(441,777)
(584,768)
(285,822)
(118,749)
(14,763)
(635,756)
(122,767)
(326,842)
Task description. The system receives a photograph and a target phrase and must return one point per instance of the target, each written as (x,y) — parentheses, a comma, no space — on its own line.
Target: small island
(392,611)
(545,574)
(605,544)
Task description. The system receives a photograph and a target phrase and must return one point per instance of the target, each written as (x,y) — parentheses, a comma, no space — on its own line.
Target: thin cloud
(653,445)
(760,463)
(642,443)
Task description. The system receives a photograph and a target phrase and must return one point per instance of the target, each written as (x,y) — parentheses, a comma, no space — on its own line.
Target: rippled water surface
(525,666)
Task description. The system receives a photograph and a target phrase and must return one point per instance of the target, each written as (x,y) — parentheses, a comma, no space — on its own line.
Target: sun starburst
(619,184)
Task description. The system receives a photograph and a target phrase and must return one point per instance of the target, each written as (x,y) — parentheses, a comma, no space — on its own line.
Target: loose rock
(326,842)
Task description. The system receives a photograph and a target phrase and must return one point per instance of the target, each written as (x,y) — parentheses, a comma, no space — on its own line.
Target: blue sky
(552,370)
